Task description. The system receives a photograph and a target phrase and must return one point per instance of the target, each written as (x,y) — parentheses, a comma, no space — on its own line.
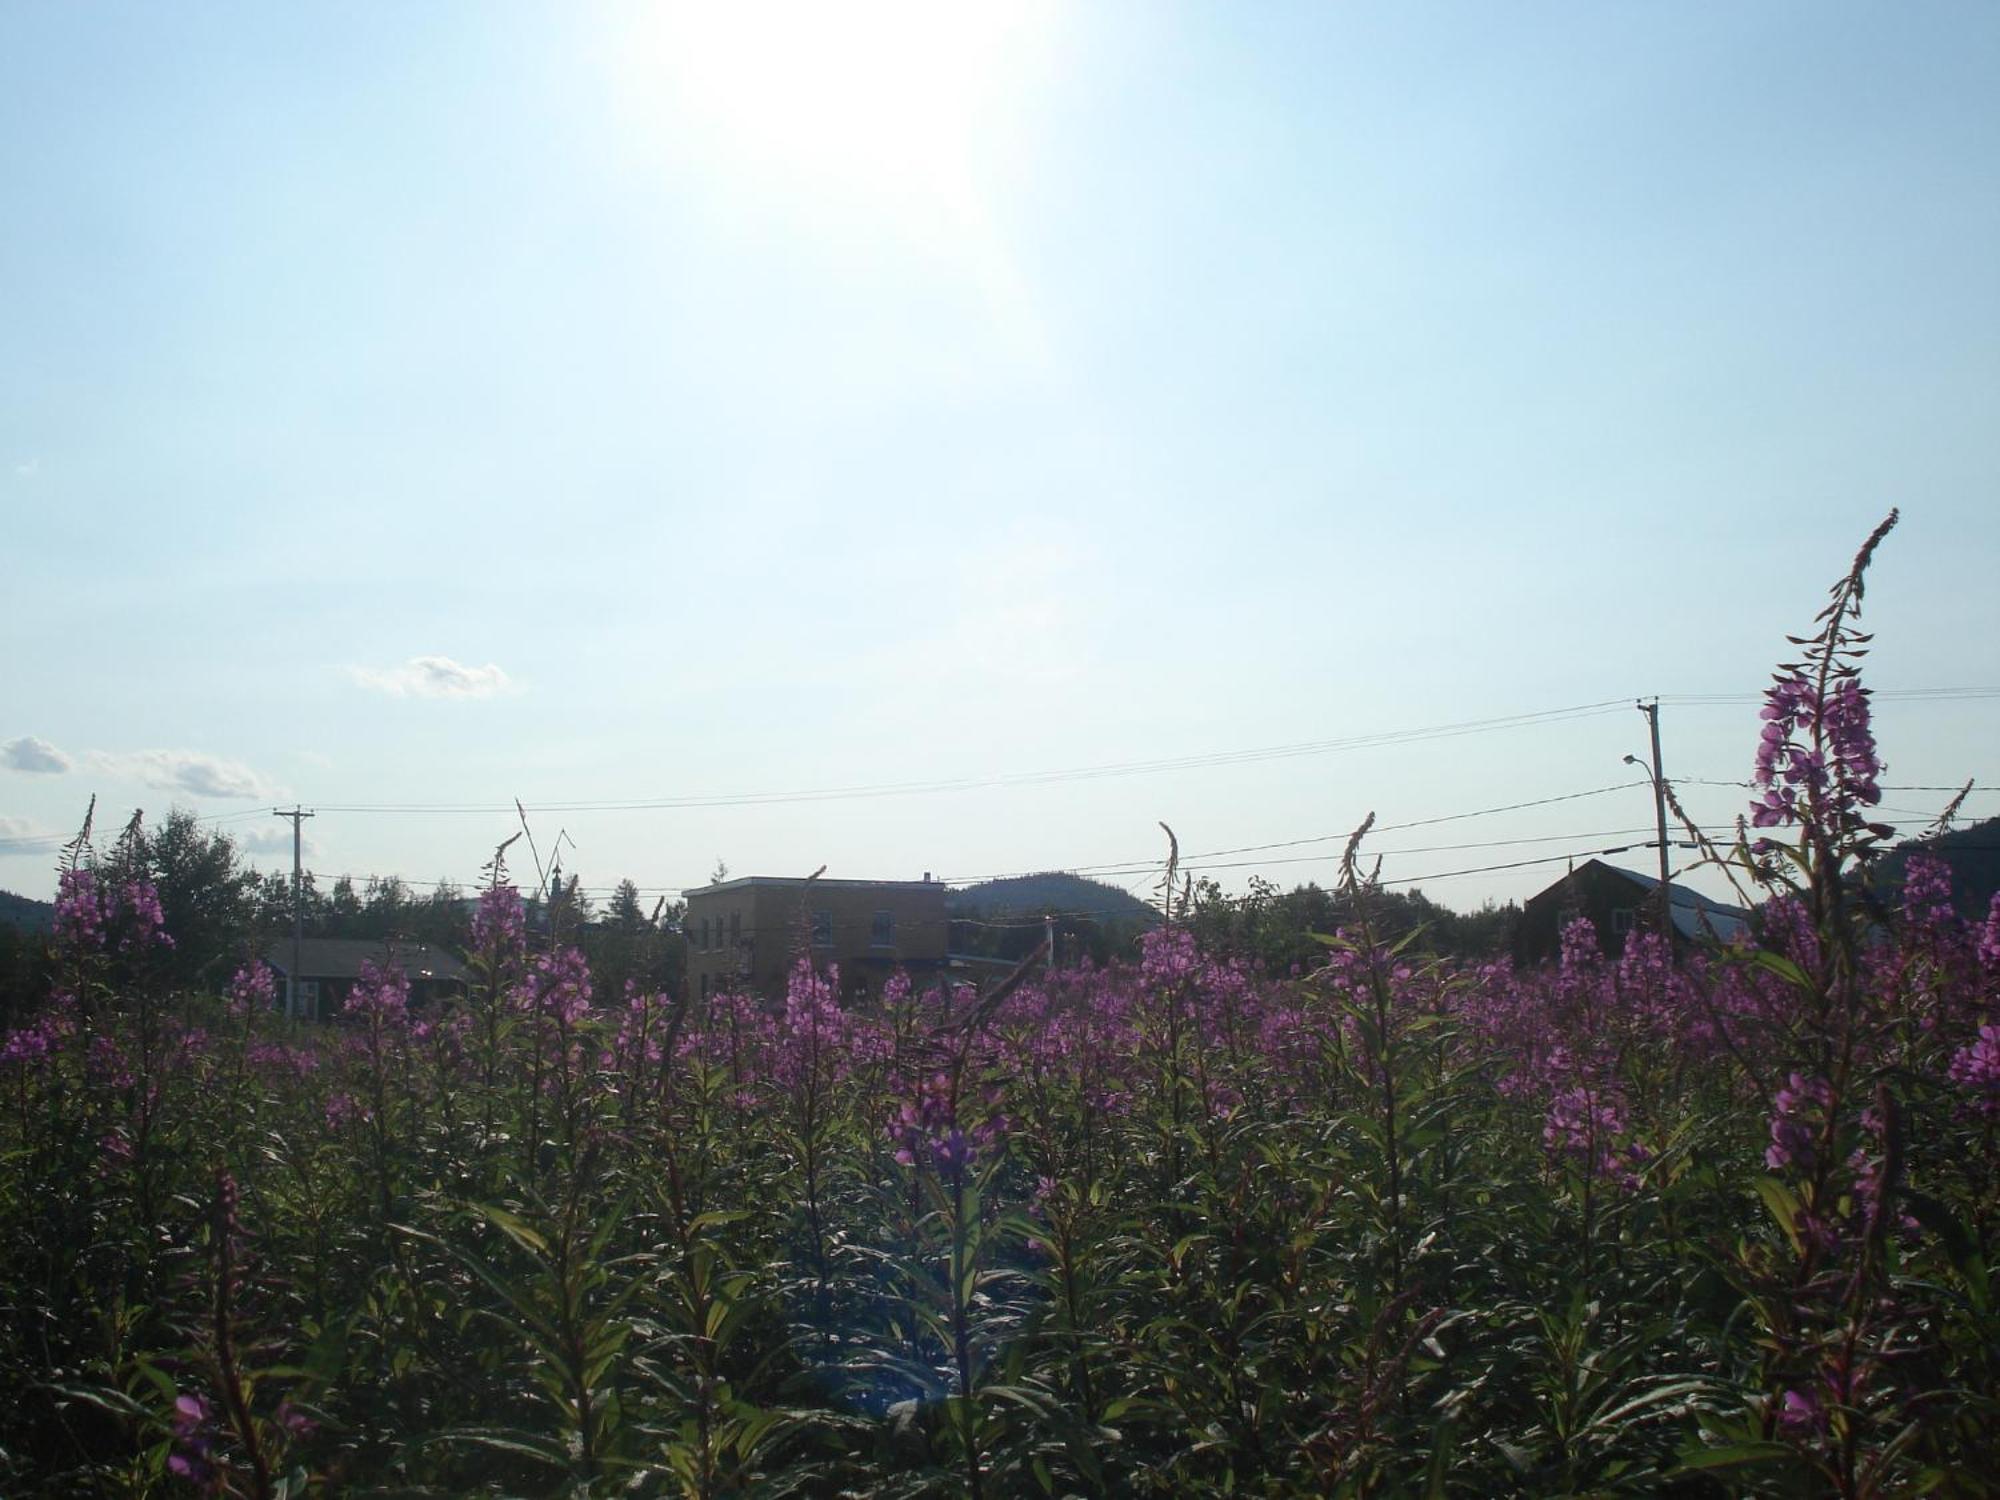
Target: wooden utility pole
(298,815)
(1652,713)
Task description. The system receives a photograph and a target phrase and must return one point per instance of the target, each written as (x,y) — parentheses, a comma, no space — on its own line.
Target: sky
(654,415)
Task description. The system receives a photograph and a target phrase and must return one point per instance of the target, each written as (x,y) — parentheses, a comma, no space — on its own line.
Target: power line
(1885,786)
(1029,778)
(1892,695)
(1518,864)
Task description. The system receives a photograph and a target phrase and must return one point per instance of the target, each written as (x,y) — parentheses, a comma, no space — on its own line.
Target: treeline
(221,911)
(1280,930)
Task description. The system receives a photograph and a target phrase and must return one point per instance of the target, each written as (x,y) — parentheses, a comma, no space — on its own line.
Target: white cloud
(273,841)
(34,755)
(434,677)
(195,772)
(28,468)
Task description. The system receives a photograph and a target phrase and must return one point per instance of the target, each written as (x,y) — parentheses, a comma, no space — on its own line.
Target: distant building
(1617,900)
(330,967)
(746,933)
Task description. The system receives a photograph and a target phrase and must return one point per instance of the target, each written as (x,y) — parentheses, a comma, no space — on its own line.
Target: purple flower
(1586,1123)
(499,922)
(80,909)
(1976,1069)
(194,1441)
(294,1421)
(251,988)
(1800,1413)
(137,908)
(560,986)
(1927,893)
(381,996)
(1796,1121)
(1821,748)
(1989,937)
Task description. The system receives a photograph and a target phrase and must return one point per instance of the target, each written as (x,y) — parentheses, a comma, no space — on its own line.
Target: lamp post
(1660,820)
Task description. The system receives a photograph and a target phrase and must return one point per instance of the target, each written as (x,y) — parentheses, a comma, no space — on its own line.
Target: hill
(1973,855)
(1051,891)
(25,913)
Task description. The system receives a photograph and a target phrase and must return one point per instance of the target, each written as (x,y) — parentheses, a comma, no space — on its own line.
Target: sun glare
(874,105)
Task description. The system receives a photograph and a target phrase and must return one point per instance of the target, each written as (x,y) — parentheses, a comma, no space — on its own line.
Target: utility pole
(298,815)
(1652,713)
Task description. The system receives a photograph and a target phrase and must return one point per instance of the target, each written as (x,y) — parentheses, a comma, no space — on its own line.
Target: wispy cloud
(195,772)
(19,836)
(434,677)
(28,468)
(33,755)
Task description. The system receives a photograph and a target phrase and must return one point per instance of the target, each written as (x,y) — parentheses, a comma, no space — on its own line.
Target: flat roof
(799,882)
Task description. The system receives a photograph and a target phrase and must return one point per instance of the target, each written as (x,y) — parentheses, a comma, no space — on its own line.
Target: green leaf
(1735,1456)
(104,1398)
(1959,1244)
(512,1226)
(1783,967)
(1784,1205)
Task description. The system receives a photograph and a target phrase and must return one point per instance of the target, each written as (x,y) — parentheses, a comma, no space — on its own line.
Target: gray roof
(1693,914)
(342,958)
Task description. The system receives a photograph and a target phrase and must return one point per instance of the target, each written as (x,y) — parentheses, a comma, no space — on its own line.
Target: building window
(704,986)
(1621,920)
(736,929)
(882,930)
(704,934)
(822,929)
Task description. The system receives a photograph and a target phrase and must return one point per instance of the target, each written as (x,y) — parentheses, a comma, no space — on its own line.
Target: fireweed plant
(1689,1219)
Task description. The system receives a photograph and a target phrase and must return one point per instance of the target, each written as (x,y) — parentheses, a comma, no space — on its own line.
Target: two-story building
(1618,900)
(747,933)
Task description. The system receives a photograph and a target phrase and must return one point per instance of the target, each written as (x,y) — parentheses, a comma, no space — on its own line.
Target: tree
(385,907)
(633,945)
(207,897)
(442,918)
(626,913)
(343,910)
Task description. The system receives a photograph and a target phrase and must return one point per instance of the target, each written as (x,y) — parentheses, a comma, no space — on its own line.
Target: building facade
(330,967)
(1617,901)
(747,933)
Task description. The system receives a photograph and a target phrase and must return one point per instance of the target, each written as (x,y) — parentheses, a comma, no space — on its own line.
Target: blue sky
(441,405)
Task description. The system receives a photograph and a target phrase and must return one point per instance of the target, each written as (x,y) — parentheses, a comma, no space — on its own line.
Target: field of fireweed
(1714,1227)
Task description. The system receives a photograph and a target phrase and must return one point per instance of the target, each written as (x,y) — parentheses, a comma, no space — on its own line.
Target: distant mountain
(1053,891)
(25,913)
(1971,852)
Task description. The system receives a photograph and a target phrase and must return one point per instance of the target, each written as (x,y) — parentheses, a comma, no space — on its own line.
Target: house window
(736,929)
(882,930)
(822,929)
(704,934)
(704,986)
(1621,920)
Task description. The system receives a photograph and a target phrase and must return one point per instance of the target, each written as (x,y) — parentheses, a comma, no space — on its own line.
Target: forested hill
(1051,891)
(25,913)
(1972,853)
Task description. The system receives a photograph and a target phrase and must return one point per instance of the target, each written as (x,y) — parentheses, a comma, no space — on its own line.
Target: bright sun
(871,104)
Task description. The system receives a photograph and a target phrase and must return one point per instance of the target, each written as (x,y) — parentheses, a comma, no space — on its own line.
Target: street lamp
(1660,815)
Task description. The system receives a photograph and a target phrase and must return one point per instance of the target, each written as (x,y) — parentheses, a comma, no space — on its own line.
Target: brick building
(747,932)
